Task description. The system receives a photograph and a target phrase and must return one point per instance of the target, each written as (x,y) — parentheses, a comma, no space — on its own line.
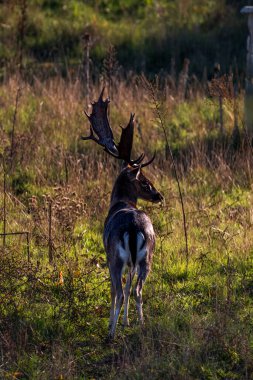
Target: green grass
(197,318)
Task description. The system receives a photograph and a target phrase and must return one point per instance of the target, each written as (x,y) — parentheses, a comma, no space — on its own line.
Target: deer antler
(126,143)
(126,140)
(149,162)
(99,124)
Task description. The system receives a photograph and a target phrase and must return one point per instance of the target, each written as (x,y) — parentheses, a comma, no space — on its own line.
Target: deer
(128,237)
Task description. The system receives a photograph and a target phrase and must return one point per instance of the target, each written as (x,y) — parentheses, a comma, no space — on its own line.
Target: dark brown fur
(124,220)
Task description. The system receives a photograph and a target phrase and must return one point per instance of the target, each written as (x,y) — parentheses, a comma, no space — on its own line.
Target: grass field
(54,283)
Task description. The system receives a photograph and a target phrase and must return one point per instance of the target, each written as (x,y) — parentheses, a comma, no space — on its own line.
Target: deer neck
(123,191)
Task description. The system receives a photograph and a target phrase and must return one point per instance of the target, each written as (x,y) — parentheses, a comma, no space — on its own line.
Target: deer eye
(146,186)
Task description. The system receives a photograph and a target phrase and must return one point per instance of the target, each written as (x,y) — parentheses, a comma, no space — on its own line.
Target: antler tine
(125,145)
(102,94)
(138,160)
(91,137)
(126,140)
(111,154)
(149,162)
(132,163)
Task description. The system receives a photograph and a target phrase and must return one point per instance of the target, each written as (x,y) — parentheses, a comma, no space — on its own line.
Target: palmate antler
(99,124)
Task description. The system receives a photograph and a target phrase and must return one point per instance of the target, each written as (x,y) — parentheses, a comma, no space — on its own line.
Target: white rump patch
(125,254)
(141,253)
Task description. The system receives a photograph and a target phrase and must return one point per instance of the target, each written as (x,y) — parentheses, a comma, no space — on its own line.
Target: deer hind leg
(117,289)
(113,298)
(142,275)
(127,295)
(112,311)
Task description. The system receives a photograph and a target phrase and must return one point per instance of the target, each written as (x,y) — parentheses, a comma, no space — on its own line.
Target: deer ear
(134,174)
(124,165)
(138,173)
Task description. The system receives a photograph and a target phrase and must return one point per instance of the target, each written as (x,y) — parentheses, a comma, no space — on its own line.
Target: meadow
(54,282)
(55,191)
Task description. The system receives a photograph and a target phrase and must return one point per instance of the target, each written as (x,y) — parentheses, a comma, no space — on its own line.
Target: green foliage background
(147,34)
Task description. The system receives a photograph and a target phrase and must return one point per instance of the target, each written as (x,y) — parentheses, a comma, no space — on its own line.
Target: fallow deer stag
(128,237)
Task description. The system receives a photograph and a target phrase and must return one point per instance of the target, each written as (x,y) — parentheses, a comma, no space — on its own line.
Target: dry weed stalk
(14,120)
(148,85)
(110,69)
(221,86)
(54,218)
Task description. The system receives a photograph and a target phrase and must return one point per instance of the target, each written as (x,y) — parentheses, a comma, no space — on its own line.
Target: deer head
(143,187)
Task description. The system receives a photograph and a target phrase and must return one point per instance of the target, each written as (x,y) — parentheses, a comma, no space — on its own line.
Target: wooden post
(249,74)
(183,79)
(217,75)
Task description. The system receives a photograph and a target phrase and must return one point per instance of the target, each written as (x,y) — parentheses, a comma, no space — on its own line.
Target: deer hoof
(109,339)
(126,323)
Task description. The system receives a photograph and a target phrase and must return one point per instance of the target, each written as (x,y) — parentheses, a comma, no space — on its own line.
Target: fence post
(248,10)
